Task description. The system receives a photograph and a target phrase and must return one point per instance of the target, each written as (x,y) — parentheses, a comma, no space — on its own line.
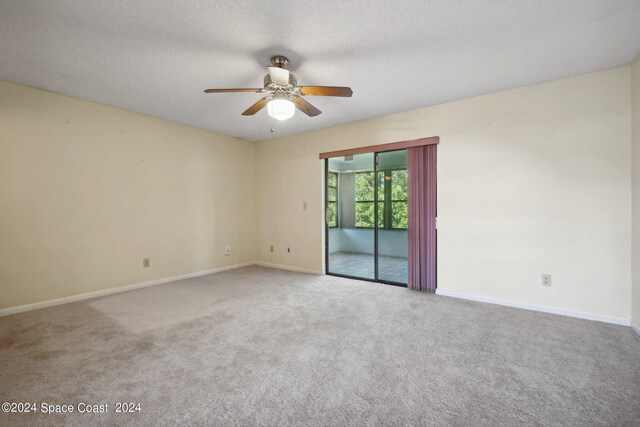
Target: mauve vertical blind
(421,168)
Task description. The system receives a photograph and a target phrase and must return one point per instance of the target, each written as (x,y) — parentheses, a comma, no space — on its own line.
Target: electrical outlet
(271,249)
(546,279)
(227,250)
(146,262)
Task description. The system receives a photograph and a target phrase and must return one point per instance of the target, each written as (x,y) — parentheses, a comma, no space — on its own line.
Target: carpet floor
(258,346)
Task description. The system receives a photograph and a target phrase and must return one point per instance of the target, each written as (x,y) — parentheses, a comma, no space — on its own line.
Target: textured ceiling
(156,57)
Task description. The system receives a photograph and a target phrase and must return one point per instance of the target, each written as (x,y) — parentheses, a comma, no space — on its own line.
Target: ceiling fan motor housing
(292,81)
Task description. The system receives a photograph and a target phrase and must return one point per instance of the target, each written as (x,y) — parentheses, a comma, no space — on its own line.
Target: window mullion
(388,222)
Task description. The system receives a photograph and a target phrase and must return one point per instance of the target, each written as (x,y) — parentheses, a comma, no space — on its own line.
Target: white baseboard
(103,292)
(288,267)
(635,327)
(533,307)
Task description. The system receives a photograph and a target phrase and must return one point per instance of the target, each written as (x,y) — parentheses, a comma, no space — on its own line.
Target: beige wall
(530,181)
(87,191)
(533,180)
(635,120)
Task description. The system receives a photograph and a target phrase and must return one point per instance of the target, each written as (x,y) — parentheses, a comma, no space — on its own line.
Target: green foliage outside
(365,188)
(392,197)
(399,206)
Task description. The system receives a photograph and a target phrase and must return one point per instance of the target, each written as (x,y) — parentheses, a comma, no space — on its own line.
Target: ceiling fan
(282,93)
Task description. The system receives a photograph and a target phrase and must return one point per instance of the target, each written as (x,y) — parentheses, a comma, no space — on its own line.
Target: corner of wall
(635,194)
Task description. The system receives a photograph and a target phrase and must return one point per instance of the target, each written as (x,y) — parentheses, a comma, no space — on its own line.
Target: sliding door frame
(375,217)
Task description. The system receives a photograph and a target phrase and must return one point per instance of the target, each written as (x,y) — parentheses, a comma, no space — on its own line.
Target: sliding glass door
(366,216)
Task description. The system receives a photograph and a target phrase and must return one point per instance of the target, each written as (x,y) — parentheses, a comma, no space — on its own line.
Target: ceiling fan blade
(326,91)
(251,89)
(279,75)
(305,107)
(255,107)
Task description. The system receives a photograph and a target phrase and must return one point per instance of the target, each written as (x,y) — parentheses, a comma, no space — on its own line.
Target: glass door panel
(392,236)
(350,216)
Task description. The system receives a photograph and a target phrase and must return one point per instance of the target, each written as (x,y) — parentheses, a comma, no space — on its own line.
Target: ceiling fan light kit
(283,95)
(280,107)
